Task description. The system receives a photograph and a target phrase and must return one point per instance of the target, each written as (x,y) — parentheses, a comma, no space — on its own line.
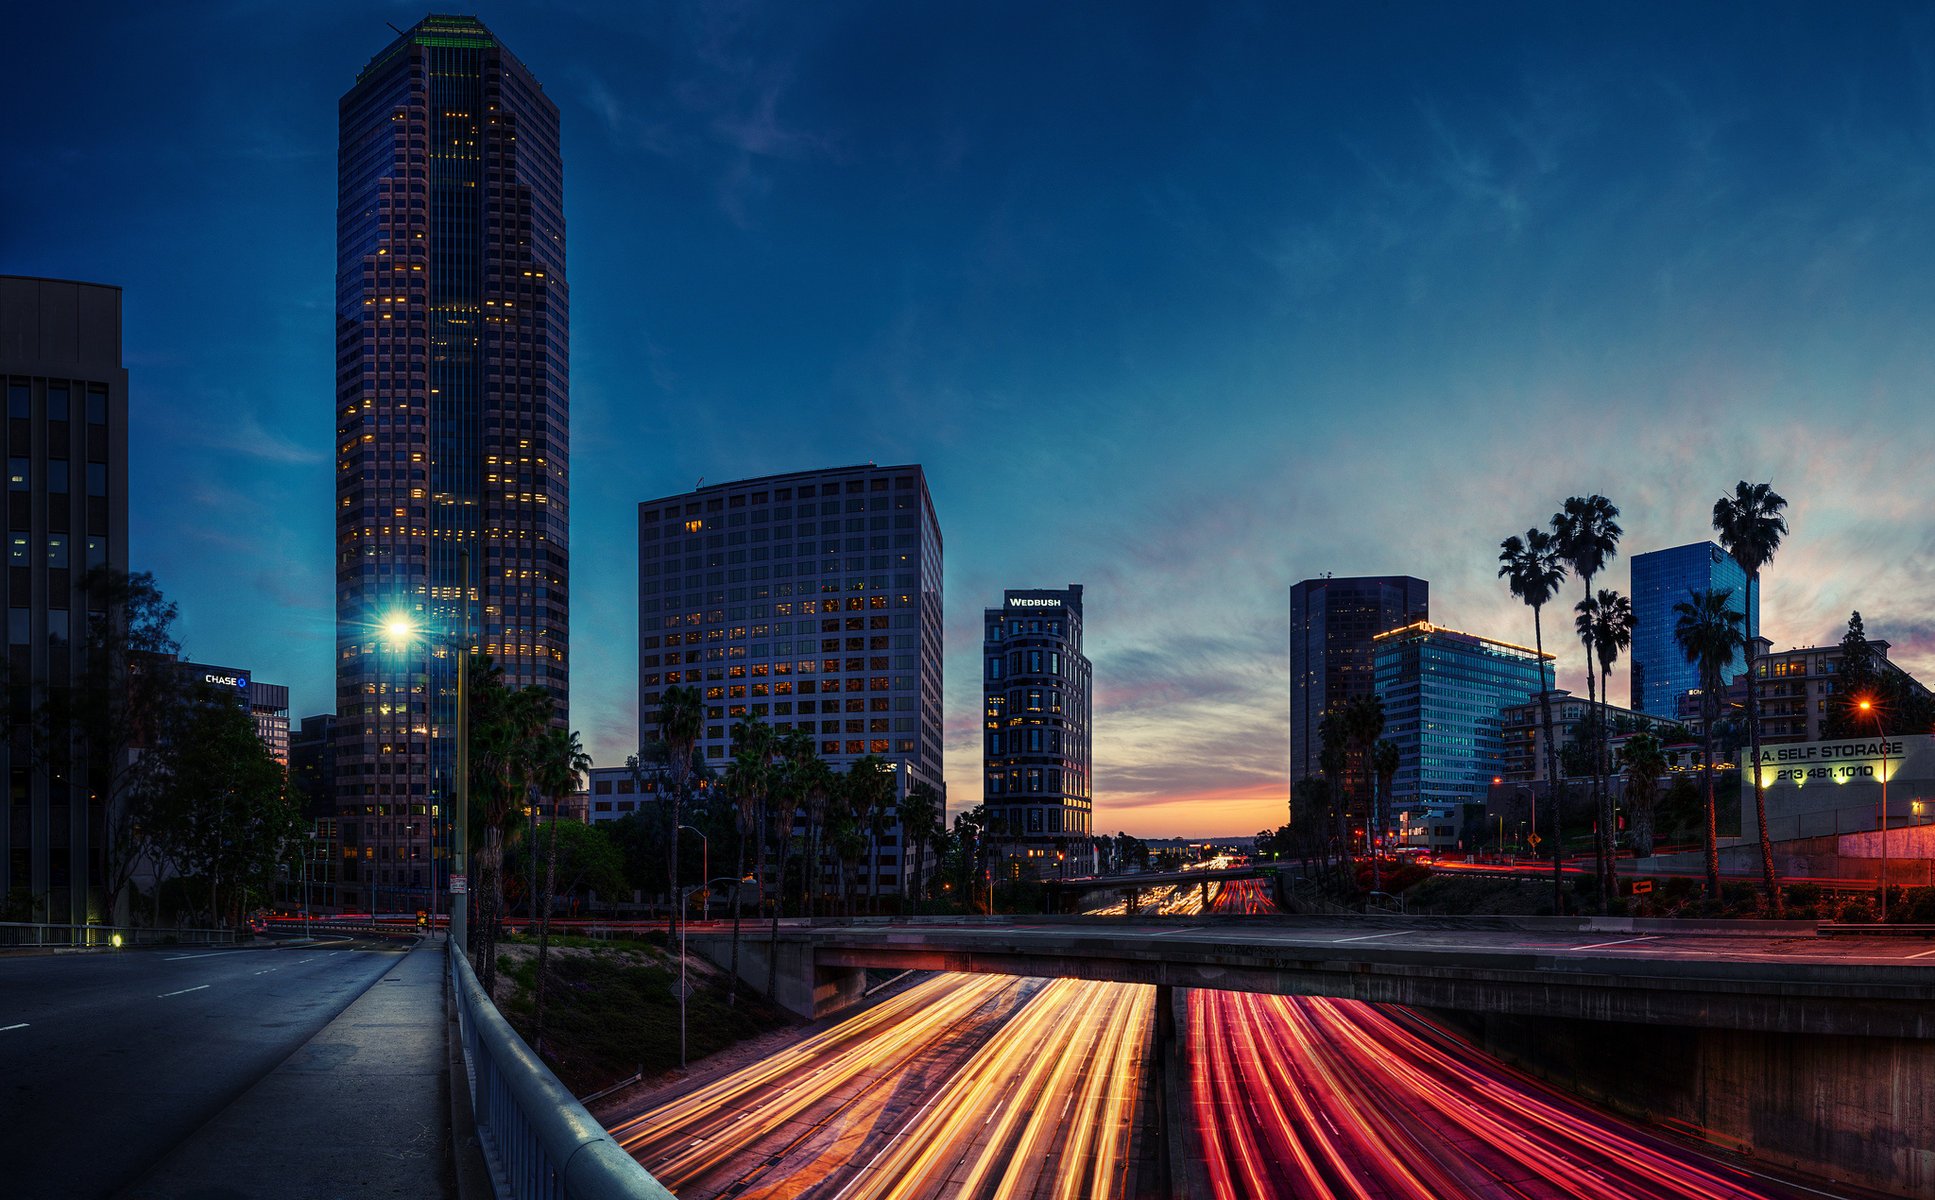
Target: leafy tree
(1751,525)
(1644,766)
(221,810)
(1709,632)
(1533,568)
(93,729)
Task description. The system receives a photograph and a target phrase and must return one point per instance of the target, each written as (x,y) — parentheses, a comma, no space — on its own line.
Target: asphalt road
(107,1061)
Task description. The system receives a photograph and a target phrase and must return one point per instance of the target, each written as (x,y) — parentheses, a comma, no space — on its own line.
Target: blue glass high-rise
(452,399)
(1661,579)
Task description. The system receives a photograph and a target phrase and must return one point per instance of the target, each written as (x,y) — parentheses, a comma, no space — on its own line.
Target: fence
(540,1142)
(17,935)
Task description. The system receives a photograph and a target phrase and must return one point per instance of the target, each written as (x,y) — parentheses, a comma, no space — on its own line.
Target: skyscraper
(452,426)
(812,600)
(1332,622)
(67,512)
(1037,740)
(1661,579)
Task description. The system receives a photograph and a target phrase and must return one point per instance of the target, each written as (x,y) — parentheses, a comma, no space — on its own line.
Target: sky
(1181,302)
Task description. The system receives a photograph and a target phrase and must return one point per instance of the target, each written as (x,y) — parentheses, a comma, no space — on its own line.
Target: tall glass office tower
(1332,622)
(1661,579)
(1442,692)
(452,427)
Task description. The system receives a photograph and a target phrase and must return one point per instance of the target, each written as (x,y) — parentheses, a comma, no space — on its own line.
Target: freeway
(959,1085)
(108,1060)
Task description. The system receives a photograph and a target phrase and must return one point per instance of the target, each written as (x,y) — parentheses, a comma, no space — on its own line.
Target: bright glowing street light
(399,628)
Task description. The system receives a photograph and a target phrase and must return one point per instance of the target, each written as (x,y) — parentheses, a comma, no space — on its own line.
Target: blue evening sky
(1183,302)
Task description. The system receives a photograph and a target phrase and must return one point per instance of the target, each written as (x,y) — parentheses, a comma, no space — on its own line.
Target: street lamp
(705,869)
(1868,706)
(683,987)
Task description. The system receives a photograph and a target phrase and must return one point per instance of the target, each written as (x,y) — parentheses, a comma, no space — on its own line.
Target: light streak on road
(1297,1097)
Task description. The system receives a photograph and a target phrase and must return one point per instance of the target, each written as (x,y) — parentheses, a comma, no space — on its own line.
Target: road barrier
(539,1140)
(19,935)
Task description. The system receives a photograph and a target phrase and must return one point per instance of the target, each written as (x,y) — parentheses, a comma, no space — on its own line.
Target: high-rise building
(451,392)
(1037,737)
(1444,693)
(812,600)
(1332,623)
(1661,579)
(67,512)
(266,703)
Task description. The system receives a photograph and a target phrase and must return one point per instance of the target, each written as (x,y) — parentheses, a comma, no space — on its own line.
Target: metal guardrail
(539,1140)
(19,935)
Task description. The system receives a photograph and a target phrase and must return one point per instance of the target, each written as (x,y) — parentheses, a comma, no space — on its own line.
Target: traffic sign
(459,885)
(1534,839)
(1642,886)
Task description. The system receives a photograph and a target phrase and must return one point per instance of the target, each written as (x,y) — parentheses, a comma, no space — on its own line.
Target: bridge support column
(1858,1108)
(802,988)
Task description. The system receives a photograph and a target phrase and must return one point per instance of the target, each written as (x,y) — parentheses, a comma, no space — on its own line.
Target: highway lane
(1295,1097)
(959,1086)
(107,1061)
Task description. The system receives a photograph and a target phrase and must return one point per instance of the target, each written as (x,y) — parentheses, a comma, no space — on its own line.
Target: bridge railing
(17,935)
(540,1142)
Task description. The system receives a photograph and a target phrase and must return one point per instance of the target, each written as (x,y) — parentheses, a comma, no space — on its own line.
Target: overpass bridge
(1764,1036)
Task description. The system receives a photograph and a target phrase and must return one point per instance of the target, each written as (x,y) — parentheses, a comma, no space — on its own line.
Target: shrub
(1858,911)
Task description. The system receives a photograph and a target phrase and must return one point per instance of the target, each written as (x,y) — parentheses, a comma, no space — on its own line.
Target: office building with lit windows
(1332,624)
(452,428)
(1037,739)
(1445,693)
(266,703)
(1661,579)
(811,599)
(67,512)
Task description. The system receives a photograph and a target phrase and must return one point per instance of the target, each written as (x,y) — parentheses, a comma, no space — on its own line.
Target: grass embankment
(612,1008)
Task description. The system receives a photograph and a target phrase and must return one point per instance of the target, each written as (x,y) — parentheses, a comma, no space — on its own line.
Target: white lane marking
(9,1028)
(1622,942)
(312,958)
(182,992)
(1370,936)
(1923,954)
(210,954)
(265,970)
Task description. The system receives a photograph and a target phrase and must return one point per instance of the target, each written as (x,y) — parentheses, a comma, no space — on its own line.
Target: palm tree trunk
(1607,823)
(1713,829)
(1768,881)
(1551,769)
(544,927)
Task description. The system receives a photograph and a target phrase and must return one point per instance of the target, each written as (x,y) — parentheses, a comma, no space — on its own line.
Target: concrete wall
(804,988)
(1857,1109)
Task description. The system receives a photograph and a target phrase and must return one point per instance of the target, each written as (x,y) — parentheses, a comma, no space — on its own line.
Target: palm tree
(1709,632)
(680,717)
(1750,526)
(1586,530)
(816,783)
(1334,761)
(1605,624)
(1644,766)
(872,796)
(504,724)
(561,763)
(920,811)
(1384,760)
(1533,568)
(748,781)
(1363,725)
(796,760)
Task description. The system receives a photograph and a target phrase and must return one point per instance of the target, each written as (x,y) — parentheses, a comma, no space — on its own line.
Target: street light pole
(705,872)
(1867,706)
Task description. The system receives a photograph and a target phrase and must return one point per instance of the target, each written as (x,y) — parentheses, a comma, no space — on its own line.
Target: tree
(1751,525)
(1644,766)
(504,727)
(815,782)
(1363,725)
(1586,531)
(680,717)
(1709,632)
(1384,760)
(871,794)
(1533,569)
(748,781)
(920,812)
(1607,621)
(222,810)
(560,763)
(1333,759)
(92,730)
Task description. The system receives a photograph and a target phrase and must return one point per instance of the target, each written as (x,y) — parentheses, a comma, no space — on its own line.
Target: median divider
(538,1139)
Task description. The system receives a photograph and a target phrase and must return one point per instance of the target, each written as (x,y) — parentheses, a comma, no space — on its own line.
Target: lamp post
(1868,706)
(684,989)
(705,871)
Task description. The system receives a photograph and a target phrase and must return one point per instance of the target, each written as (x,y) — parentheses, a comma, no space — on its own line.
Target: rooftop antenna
(700,484)
(392,25)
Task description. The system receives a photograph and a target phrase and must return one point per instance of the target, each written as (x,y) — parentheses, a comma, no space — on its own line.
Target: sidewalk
(362,1109)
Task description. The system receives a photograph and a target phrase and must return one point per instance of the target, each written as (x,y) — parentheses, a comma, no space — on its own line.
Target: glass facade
(1037,734)
(1332,622)
(452,427)
(1444,692)
(67,511)
(812,600)
(1661,579)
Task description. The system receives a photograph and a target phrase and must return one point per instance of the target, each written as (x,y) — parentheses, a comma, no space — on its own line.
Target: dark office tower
(67,511)
(1332,658)
(1037,735)
(811,600)
(451,390)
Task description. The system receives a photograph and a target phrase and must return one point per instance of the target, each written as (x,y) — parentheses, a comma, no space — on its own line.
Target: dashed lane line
(10,1028)
(182,992)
